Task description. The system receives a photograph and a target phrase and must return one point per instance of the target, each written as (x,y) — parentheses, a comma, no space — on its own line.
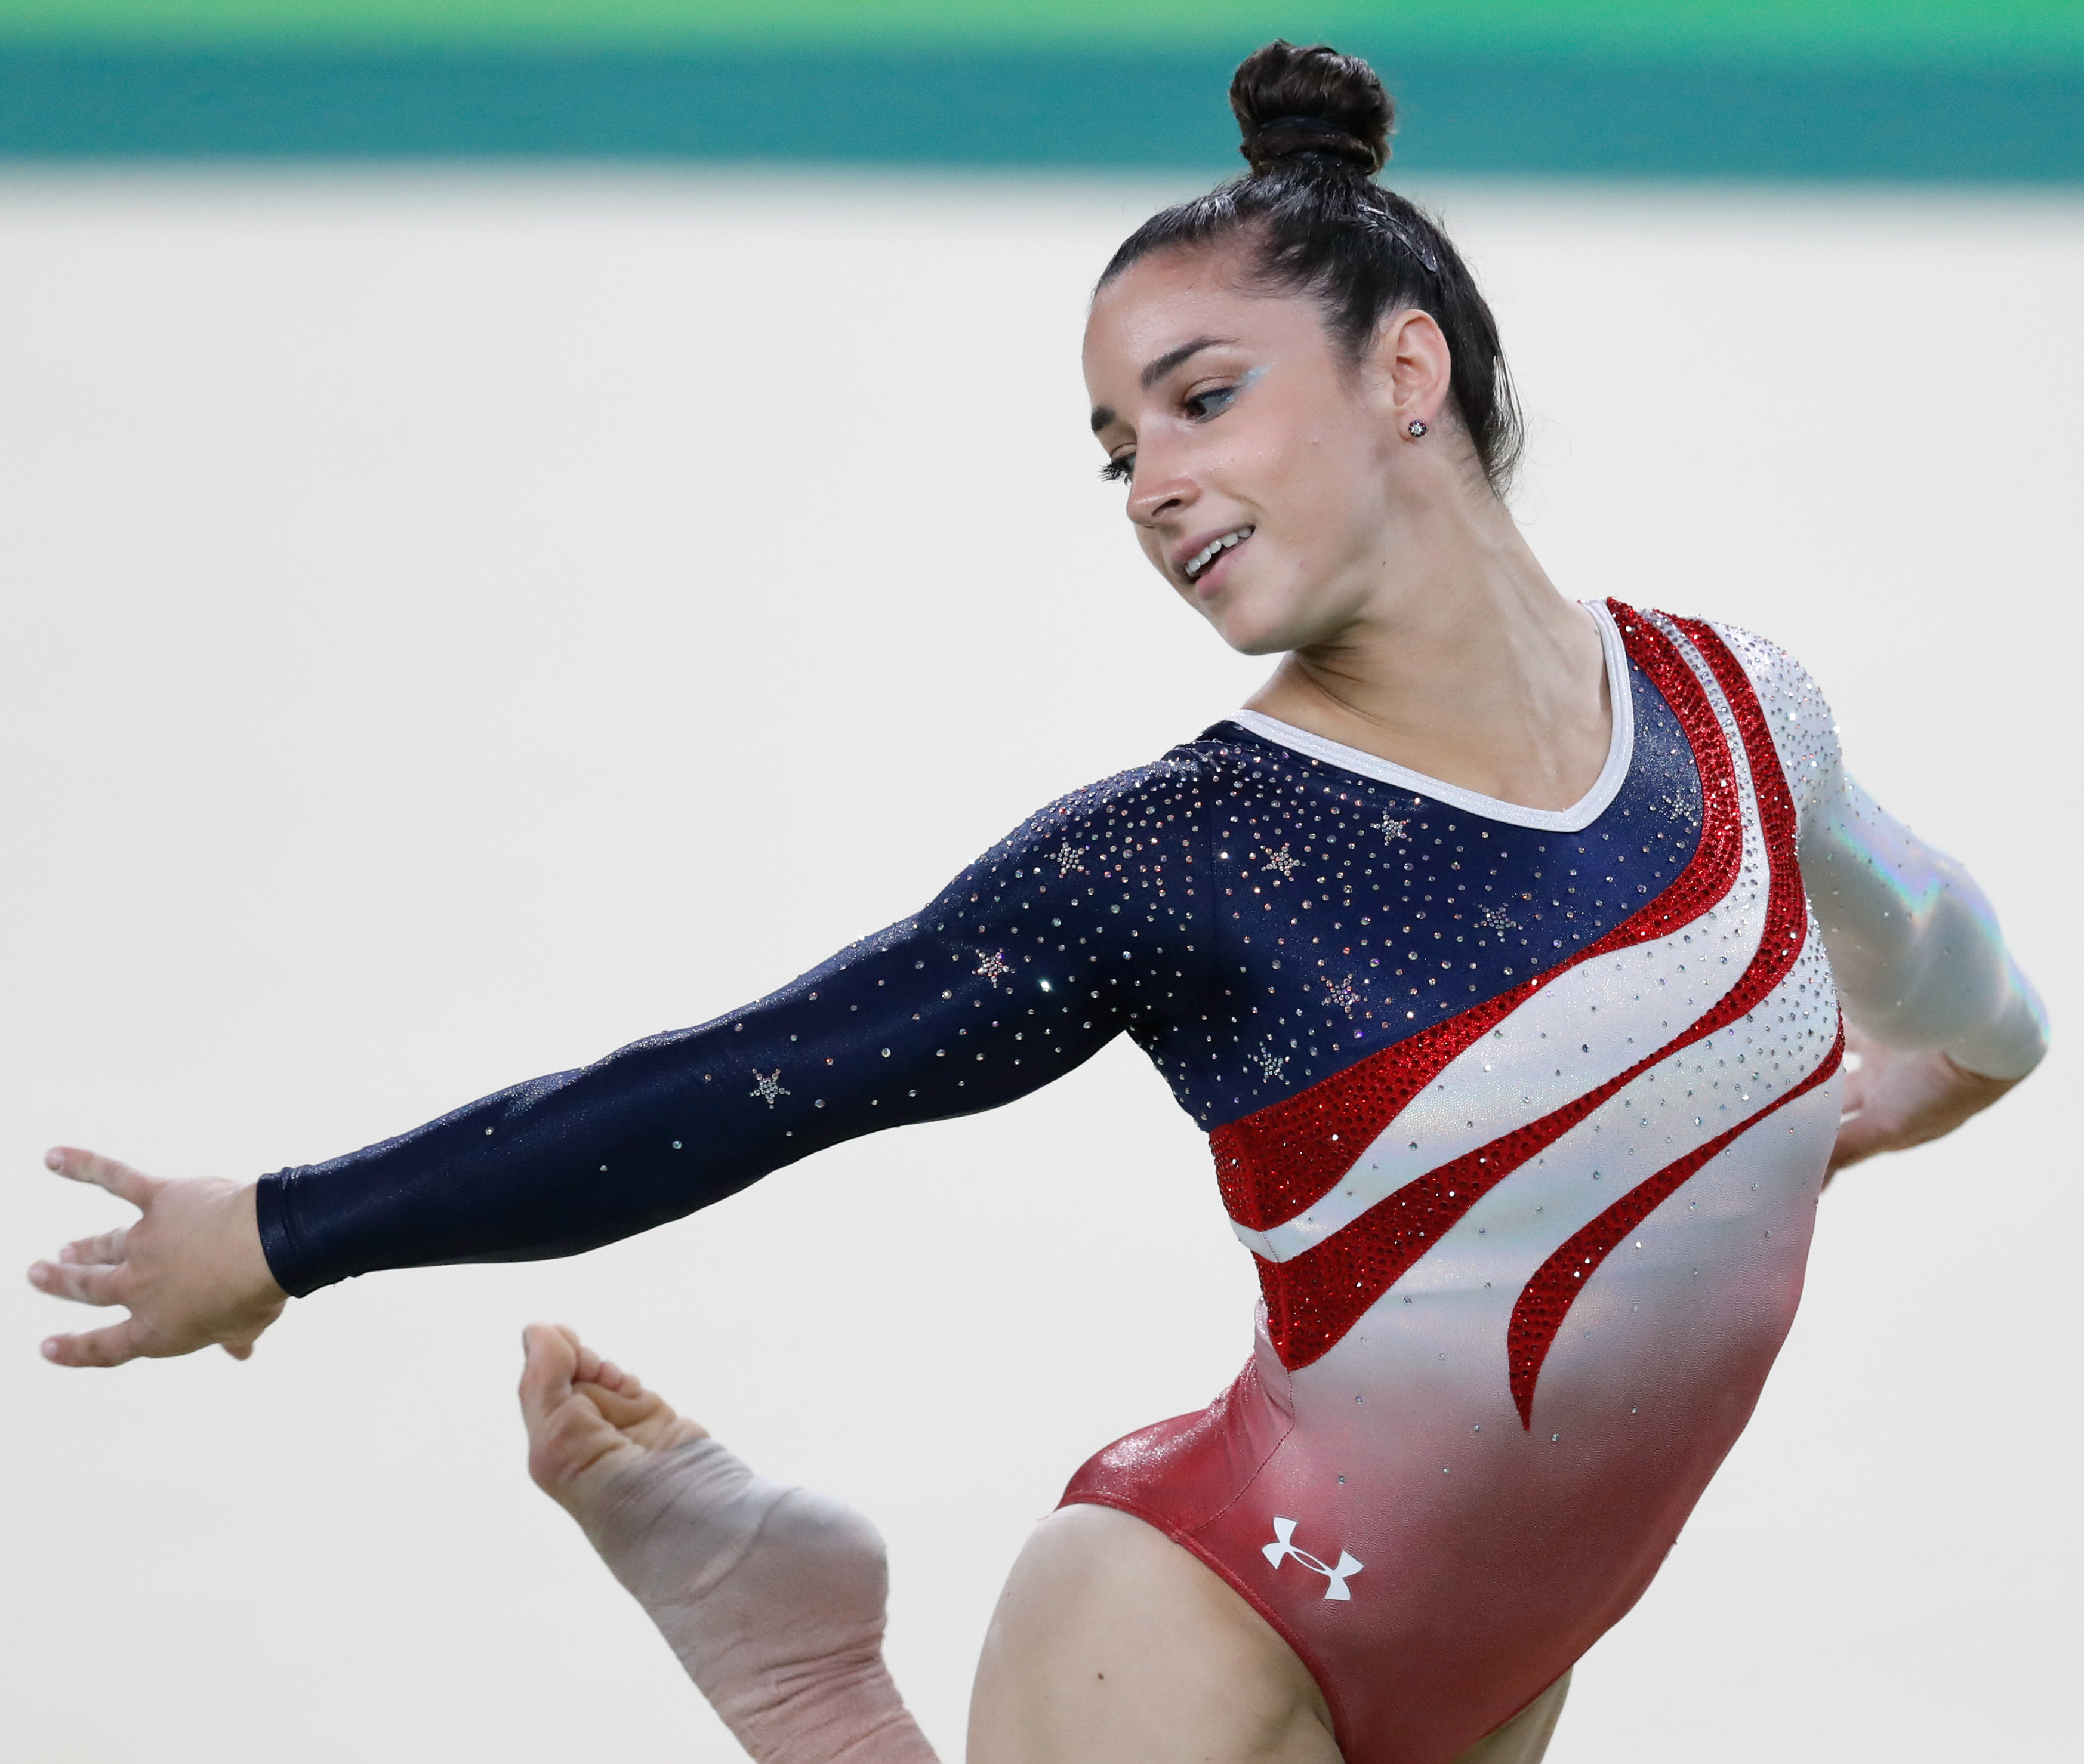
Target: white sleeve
(1913,942)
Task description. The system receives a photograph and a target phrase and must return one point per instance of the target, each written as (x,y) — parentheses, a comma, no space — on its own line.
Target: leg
(772,1596)
(1112,1645)
(1524,1739)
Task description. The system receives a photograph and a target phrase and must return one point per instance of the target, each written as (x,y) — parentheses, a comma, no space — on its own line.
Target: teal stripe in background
(1588,112)
(1951,90)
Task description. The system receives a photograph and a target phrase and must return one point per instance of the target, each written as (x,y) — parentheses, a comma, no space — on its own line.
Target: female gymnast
(1499,945)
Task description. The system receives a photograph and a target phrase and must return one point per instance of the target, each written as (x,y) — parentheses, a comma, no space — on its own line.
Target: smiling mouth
(1215,549)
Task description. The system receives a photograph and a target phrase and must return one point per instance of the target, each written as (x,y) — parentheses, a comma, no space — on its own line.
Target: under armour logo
(1283,1547)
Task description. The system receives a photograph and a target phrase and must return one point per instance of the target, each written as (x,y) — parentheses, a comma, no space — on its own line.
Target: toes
(642,1417)
(621,1409)
(580,1409)
(570,1442)
(549,1362)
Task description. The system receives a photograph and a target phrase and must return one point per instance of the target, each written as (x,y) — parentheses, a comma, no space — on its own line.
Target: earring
(1414,429)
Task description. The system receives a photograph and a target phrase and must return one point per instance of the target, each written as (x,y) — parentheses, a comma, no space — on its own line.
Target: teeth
(1214,549)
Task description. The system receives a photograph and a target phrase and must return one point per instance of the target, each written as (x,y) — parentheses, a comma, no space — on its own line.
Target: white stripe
(1552,1049)
(1621,753)
(1675,1108)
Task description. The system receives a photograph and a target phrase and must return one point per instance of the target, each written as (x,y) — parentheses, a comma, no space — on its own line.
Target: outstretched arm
(1085,922)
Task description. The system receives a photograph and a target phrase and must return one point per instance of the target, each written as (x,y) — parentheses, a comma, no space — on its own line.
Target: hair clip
(1396,231)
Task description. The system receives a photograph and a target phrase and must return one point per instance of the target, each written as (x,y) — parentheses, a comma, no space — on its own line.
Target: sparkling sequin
(1446,1056)
(1548,1297)
(1273,1164)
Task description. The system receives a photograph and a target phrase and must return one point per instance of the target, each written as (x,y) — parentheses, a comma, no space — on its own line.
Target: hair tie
(1319,139)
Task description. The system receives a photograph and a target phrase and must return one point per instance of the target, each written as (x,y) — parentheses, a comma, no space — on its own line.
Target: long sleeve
(1913,942)
(1090,919)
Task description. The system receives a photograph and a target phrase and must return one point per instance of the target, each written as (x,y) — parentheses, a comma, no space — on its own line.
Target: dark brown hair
(1315,126)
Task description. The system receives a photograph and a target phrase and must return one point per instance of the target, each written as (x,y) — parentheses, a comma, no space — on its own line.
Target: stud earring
(1414,429)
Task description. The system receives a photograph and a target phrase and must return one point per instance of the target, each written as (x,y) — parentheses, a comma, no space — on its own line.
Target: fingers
(110,1347)
(84,1285)
(106,1250)
(120,1179)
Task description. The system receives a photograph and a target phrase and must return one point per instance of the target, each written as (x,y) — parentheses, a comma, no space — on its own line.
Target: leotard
(1522,1114)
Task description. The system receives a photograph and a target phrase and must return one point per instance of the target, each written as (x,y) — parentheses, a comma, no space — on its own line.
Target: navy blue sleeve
(1090,919)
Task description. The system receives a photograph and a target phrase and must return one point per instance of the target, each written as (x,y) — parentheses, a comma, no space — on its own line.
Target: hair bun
(1292,104)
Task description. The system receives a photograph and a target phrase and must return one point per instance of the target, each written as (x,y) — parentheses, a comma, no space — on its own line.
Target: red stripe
(1275,1163)
(1313,1299)
(1546,1299)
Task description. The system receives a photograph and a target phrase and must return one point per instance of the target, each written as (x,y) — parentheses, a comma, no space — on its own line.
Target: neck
(1469,665)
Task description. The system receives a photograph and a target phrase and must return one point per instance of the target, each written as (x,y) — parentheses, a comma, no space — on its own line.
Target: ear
(1413,366)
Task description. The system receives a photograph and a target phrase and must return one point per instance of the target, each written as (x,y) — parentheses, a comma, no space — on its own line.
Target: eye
(1120,469)
(1212,403)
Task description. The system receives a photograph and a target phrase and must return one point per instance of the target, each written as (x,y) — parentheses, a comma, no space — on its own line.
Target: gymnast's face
(1270,479)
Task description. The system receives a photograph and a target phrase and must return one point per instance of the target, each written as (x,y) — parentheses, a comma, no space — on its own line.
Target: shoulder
(1161,802)
(1804,731)
(1793,702)
(1175,790)
(1137,838)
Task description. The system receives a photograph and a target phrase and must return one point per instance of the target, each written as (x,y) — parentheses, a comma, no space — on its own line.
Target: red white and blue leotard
(1522,1114)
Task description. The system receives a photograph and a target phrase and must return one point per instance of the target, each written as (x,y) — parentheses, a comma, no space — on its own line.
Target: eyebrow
(1155,371)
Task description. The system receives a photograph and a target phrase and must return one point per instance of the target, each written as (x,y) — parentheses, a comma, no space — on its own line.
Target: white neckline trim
(1621,752)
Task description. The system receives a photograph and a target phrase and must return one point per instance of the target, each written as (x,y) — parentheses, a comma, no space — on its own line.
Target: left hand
(1895,1098)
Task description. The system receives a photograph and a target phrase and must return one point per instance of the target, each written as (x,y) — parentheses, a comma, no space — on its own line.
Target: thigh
(1112,1645)
(1524,1739)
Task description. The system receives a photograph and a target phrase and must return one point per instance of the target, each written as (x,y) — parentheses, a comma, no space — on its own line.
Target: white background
(454,625)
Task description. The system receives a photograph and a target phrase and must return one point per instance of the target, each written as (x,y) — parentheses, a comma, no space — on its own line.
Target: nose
(1157,490)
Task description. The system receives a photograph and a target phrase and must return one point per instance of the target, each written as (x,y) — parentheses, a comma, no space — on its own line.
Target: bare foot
(589,1421)
(772,1596)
